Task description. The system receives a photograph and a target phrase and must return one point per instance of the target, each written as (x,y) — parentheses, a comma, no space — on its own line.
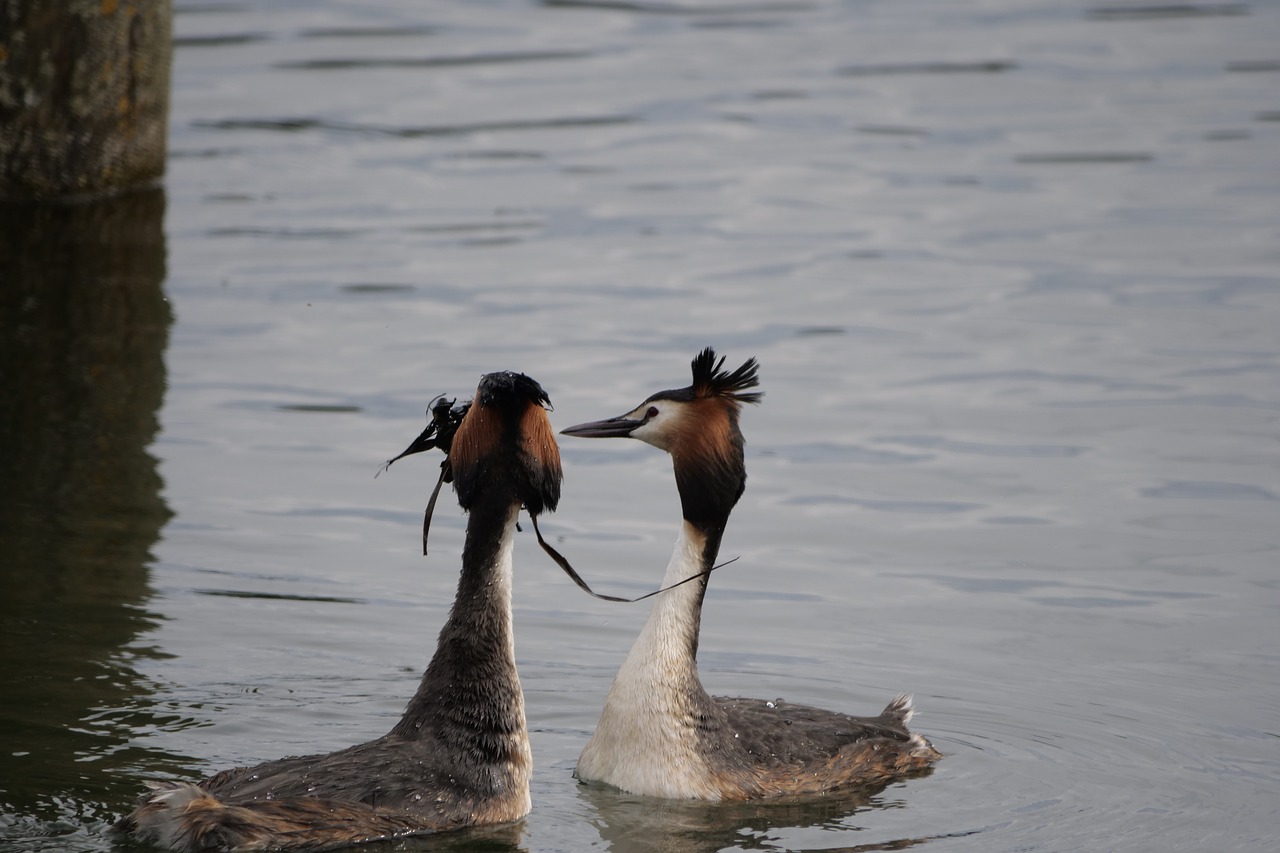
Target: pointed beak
(620,427)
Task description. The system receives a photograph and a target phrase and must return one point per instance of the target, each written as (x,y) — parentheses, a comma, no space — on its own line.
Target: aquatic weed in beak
(443,425)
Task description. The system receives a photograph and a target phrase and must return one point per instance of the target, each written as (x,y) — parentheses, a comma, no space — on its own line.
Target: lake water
(1012,272)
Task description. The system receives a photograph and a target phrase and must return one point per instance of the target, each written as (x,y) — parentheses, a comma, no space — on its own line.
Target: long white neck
(646,741)
(667,646)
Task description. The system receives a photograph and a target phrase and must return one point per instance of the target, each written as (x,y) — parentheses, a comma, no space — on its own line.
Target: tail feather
(184,817)
(158,817)
(901,709)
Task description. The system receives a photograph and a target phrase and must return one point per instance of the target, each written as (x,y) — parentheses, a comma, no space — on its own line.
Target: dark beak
(610,428)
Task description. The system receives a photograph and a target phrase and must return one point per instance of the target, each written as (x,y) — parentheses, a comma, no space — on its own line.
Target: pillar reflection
(84,325)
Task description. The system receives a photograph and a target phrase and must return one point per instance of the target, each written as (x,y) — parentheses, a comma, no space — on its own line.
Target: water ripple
(294,125)
(937,442)
(678,8)
(1056,593)
(884,505)
(829,454)
(989,66)
(1165,10)
(1216,401)
(219,40)
(1072,158)
(1039,376)
(513,57)
(366,32)
(1213,491)
(279,596)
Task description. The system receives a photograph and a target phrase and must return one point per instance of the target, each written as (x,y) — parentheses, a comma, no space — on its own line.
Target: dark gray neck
(470,694)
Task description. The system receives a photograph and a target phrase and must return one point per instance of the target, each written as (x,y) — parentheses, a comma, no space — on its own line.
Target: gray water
(1010,269)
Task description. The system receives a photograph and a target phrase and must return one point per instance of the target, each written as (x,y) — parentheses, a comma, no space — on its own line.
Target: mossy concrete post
(84,95)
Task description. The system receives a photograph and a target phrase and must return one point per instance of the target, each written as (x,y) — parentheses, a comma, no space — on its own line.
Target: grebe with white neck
(459,756)
(660,733)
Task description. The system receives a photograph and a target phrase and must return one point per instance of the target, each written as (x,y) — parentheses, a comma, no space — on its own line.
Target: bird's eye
(651,414)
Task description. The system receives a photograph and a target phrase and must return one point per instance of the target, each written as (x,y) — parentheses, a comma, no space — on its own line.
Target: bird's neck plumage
(647,739)
(669,640)
(660,733)
(471,691)
(709,488)
(650,737)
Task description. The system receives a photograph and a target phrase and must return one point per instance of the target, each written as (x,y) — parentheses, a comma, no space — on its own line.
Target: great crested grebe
(460,754)
(660,733)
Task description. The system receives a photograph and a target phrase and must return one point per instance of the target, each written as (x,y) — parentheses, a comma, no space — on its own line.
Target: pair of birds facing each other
(460,756)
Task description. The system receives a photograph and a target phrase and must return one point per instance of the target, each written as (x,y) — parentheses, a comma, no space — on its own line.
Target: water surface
(1010,271)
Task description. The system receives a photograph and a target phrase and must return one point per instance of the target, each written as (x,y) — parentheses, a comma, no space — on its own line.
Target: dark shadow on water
(308,123)
(649,7)
(1154,11)
(219,40)
(403,31)
(83,328)
(991,66)
(1255,66)
(1076,158)
(509,58)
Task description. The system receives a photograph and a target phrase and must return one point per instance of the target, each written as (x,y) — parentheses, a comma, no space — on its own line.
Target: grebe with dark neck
(460,755)
(660,733)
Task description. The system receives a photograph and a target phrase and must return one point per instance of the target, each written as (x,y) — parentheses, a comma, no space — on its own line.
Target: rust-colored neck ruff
(707,456)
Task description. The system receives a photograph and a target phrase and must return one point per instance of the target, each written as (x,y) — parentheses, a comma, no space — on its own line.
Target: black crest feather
(711,380)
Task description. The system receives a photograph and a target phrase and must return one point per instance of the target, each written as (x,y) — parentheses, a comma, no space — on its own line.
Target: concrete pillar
(84,95)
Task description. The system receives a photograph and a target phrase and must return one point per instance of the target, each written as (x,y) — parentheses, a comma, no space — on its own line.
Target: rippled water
(1010,269)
